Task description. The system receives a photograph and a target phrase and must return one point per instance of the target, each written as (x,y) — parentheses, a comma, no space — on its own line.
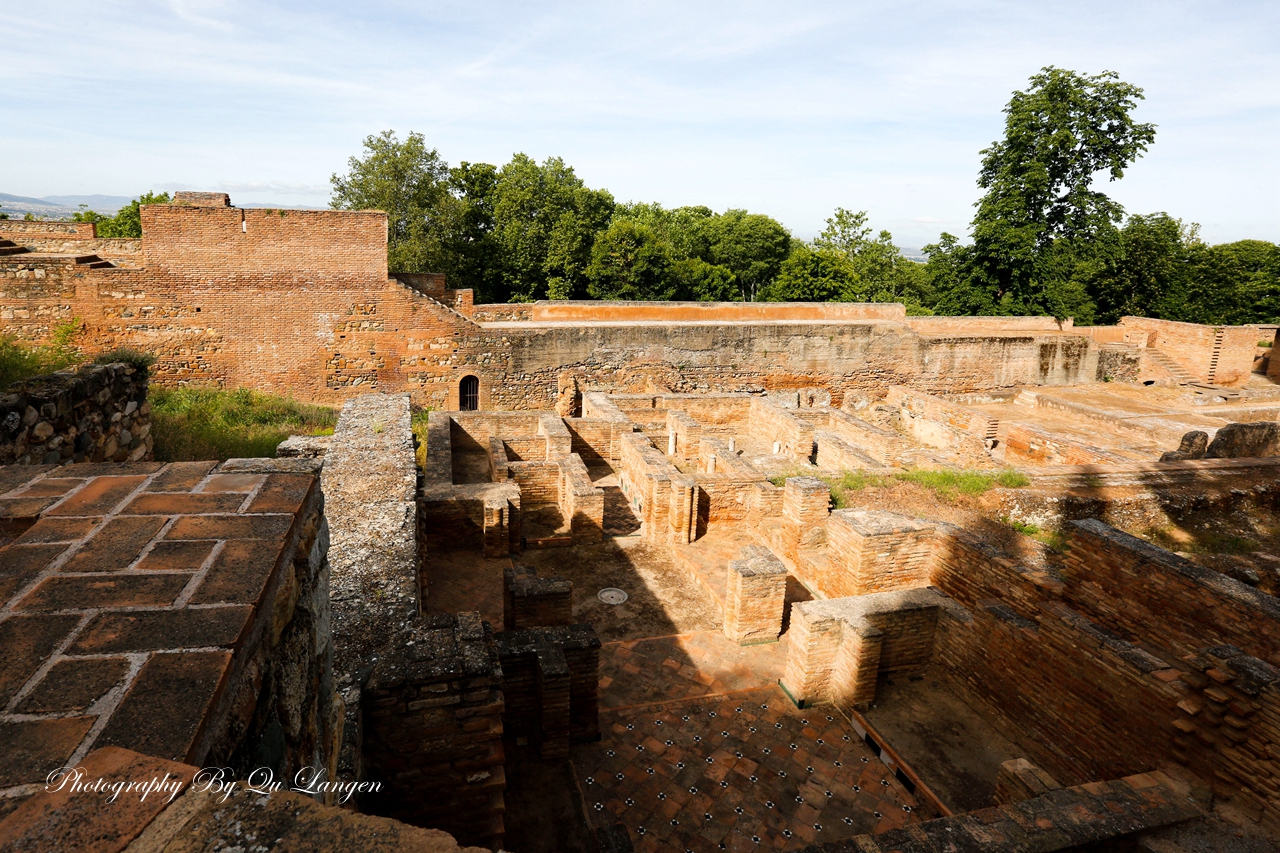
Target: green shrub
(946,483)
(127,355)
(1011,478)
(203,423)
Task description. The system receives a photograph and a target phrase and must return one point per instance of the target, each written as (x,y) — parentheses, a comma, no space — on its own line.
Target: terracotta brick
(32,749)
(180,556)
(163,629)
(167,704)
(99,496)
(171,504)
(19,564)
(239,573)
(116,545)
(14,476)
(25,507)
(79,823)
(283,493)
(27,642)
(58,530)
(180,476)
(231,527)
(232,483)
(50,486)
(68,592)
(73,685)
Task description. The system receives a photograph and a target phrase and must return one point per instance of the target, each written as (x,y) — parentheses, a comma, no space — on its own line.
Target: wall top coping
(871,522)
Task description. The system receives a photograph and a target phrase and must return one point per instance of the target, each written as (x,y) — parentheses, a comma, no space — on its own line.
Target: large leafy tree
(545,222)
(411,183)
(752,246)
(630,261)
(128,220)
(1041,217)
(476,257)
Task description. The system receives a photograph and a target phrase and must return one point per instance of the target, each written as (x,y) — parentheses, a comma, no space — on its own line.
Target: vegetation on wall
(1045,239)
(128,220)
(20,360)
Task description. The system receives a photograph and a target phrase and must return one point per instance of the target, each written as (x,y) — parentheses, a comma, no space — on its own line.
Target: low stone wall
(473,517)
(98,413)
(1025,443)
(581,502)
(530,601)
(938,422)
(784,432)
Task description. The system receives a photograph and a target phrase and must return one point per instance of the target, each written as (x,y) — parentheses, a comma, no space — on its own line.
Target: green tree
(1232,283)
(815,274)
(751,246)
(411,183)
(699,281)
(476,256)
(1148,275)
(545,221)
(1040,217)
(630,261)
(885,275)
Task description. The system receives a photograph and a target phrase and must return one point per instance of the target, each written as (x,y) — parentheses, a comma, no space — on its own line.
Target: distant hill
(63,206)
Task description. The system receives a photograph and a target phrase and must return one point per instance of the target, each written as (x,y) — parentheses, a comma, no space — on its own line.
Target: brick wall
(1027,443)
(938,422)
(432,722)
(1193,347)
(530,601)
(1147,593)
(754,597)
(550,681)
(98,413)
(778,428)
(539,482)
(581,502)
(873,551)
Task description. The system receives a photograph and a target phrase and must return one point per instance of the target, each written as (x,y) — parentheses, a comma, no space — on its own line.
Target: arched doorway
(469,394)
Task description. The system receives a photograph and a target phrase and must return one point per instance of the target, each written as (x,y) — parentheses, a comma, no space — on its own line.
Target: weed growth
(203,423)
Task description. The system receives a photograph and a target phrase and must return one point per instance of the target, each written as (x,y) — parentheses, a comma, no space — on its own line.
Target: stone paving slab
(124,597)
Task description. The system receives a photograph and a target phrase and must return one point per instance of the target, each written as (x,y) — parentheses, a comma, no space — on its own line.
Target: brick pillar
(804,515)
(874,551)
(755,597)
(684,510)
(432,729)
(550,678)
(856,667)
(497,536)
(813,641)
(530,601)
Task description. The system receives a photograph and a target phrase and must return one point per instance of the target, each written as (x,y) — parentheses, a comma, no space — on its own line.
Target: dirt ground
(954,749)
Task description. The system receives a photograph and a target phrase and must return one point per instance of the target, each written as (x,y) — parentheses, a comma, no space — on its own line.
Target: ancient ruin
(654,576)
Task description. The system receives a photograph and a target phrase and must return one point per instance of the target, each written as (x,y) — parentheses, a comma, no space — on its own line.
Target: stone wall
(550,682)
(1222,355)
(98,413)
(1027,443)
(938,422)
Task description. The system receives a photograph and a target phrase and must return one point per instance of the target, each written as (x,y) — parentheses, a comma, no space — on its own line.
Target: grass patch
(853,481)
(203,423)
(20,360)
(127,355)
(946,483)
(418,423)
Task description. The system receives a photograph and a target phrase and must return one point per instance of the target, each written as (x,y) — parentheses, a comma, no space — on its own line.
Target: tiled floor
(745,771)
(684,666)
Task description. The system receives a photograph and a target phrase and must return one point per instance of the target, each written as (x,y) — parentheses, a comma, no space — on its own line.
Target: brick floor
(458,581)
(743,771)
(110,572)
(684,666)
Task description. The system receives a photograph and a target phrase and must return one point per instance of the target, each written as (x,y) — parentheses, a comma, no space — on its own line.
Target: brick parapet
(873,551)
(95,414)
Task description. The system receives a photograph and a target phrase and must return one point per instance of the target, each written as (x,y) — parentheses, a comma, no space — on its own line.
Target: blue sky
(788,109)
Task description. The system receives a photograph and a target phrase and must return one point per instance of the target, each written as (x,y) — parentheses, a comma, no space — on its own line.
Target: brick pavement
(741,772)
(684,666)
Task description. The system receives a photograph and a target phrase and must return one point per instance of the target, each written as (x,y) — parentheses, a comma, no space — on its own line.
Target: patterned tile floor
(746,771)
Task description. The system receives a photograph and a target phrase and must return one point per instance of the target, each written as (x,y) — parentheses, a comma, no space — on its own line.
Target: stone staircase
(8,247)
(1218,335)
(1175,370)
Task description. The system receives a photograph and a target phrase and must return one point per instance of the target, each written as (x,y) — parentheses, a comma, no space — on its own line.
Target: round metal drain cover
(612,596)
